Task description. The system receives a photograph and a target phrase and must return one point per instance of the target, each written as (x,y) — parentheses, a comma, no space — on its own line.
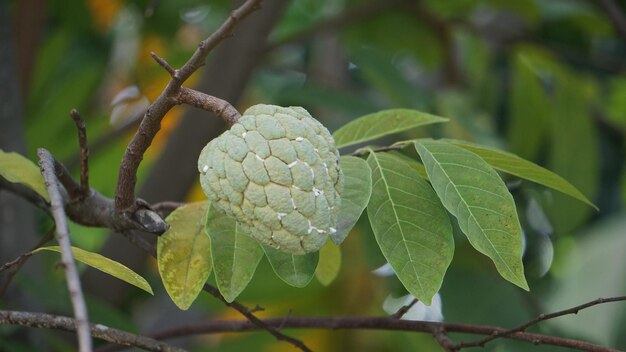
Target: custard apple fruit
(276,171)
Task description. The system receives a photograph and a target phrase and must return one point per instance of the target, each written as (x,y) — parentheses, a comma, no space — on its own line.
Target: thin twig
(47,165)
(120,337)
(367,150)
(103,141)
(540,318)
(272,329)
(371,323)
(84,152)
(151,122)
(15,265)
(161,61)
(405,308)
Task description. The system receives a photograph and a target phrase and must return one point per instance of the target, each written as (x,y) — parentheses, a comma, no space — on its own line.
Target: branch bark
(540,318)
(372,323)
(47,165)
(151,123)
(120,337)
(218,106)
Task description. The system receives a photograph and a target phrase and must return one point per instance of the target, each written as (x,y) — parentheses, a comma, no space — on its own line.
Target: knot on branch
(151,221)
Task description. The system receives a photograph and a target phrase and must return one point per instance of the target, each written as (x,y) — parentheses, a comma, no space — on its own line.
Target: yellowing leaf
(329,263)
(17,169)
(184,254)
(106,265)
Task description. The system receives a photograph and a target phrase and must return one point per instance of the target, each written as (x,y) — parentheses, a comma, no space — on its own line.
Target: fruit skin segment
(276,171)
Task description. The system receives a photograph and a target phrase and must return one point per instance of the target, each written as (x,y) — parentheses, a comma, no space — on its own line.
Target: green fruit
(276,171)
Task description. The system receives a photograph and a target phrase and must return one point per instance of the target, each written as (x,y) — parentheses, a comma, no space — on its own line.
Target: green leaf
(411,226)
(329,263)
(474,193)
(17,169)
(235,255)
(184,254)
(295,270)
(381,124)
(414,164)
(522,168)
(356,194)
(106,265)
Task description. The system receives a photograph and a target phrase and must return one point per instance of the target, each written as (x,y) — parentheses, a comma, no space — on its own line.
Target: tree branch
(371,323)
(163,63)
(15,265)
(25,192)
(151,123)
(93,209)
(367,150)
(219,107)
(97,210)
(540,318)
(47,165)
(84,152)
(441,336)
(258,323)
(47,321)
(402,311)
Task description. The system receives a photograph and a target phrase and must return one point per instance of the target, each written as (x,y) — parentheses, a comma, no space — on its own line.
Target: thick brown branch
(25,192)
(219,107)
(47,321)
(371,323)
(540,318)
(441,336)
(151,122)
(47,165)
(72,188)
(93,209)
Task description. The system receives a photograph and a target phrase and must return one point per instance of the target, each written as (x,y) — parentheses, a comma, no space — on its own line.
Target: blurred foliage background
(542,78)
